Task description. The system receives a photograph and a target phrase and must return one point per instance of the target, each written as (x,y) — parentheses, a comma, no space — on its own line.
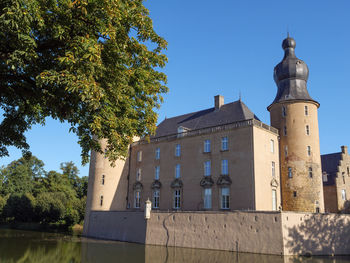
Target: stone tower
(107,185)
(294,114)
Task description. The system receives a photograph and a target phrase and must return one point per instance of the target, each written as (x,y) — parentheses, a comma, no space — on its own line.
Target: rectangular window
(138,175)
(307,130)
(101,200)
(177,150)
(274,200)
(290,174)
(309,150)
(103,179)
(225,198)
(139,156)
(272,146)
(157,153)
(295,194)
(207,198)
(273,169)
(177,199)
(343,194)
(324,177)
(207,146)
(284,111)
(310,172)
(224,143)
(207,168)
(285,151)
(285,130)
(348,170)
(306,111)
(177,171)
(137,201)
(156,172)
(224,167)
(156,195)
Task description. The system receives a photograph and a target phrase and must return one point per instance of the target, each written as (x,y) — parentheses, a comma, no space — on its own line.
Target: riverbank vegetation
(29,194)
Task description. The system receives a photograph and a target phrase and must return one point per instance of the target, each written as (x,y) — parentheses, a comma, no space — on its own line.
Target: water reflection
(27,247)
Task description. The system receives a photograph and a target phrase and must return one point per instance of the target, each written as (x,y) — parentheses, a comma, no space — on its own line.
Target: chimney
(344,149)
(219,101)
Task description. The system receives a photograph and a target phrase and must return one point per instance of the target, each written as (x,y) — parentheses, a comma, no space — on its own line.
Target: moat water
(28,246)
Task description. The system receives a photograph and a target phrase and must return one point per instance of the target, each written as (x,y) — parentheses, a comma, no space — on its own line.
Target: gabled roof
(228,113)
(330,164)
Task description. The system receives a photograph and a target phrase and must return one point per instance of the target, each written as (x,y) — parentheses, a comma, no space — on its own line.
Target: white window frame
(324,177)
(156,198)
(207,198)
(225,198)
(273,169)
(207,168)
(224,167)
(139,156)
(272,146)
(207,146)
(177,150)
(177,199)
(343,194)
(138,174)
(274,200)
(157,153)
(137,199)
(224,143)
(177,171)
(156,172)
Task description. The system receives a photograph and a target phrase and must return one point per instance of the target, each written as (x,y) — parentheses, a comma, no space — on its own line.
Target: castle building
(224,158)
(336,180)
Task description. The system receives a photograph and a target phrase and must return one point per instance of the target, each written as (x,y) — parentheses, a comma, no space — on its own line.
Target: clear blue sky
(227,47)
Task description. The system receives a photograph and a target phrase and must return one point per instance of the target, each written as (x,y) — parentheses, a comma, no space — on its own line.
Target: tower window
(207,146)
(224,167)
(139,156)
(309,150)
(295,194)
(310,172)
(157,153)
(138,175)
(274,200)
(272,146)
(284,111)
(343,179)
(285,130)
(177,171)
(307,130)
(343,194)
(290,174)
(324,177)
(224,144)
(273,169)
(285,150)
(348,170)
(306,111)
(177,150)
(156,196)
(103,179)
(207,168)
(101,200)
(156,174)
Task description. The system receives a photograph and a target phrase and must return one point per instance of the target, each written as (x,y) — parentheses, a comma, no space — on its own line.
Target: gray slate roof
(330,164)
(228,113)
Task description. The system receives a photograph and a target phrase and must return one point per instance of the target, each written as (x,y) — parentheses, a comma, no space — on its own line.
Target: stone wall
(279,233)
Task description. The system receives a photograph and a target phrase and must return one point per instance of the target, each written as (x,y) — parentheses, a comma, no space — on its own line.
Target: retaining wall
(279,233)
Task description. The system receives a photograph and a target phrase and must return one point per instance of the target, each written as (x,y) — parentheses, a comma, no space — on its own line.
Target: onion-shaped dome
(291,75)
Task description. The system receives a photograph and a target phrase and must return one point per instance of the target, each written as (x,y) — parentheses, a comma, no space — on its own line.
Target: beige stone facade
(250,178)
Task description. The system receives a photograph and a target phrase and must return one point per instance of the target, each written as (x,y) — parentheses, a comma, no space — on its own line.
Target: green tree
(50,207)
(20,176)
(92,63)
(20,207)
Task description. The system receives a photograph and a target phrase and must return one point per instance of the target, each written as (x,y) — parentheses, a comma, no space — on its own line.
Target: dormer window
(181,131)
